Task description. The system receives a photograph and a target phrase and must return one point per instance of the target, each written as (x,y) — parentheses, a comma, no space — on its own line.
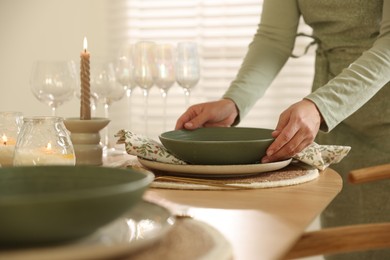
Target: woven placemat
(188,239)
(293,174)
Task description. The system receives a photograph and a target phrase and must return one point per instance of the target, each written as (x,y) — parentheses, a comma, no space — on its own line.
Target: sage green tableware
(50,204)
(218,145)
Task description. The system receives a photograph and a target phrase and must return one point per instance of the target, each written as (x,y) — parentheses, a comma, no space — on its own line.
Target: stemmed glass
(187,67)
(124,68)
(165,72)
(144,72)
(107,90)
(53,82)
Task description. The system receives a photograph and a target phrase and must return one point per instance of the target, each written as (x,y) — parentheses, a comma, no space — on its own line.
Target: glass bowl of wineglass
(144,72)
(53,82)
(165,72)
(107,90)
(187,67)
(124,68)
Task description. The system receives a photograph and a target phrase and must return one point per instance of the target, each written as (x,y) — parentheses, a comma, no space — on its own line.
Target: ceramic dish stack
(218,145)
(87,212)
(52,204)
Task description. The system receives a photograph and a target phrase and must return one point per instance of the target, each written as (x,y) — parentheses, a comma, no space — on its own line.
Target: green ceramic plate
(49,204)
(218,145)
(140,227)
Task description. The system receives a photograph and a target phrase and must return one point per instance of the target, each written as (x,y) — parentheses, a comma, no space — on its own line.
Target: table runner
(293,174)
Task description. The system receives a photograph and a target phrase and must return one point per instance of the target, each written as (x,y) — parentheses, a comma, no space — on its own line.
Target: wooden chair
(350,238)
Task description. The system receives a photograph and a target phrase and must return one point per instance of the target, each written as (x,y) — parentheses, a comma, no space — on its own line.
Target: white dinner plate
(214,170)
(141,226)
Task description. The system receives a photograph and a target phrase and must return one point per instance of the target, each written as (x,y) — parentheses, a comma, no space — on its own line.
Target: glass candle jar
(10,124)
(43,141)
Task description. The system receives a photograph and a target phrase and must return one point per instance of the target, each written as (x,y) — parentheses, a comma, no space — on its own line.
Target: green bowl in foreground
(50,204)
(218,145)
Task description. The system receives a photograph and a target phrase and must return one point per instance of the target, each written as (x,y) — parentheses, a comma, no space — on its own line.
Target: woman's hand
(221,113)
(297,127)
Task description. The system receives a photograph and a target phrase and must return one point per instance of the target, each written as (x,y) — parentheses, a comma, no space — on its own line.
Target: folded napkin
(318,156)
(321,156)
(146,148)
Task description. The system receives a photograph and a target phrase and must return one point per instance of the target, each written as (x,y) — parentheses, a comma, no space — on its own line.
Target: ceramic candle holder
(85,136)
(10,123)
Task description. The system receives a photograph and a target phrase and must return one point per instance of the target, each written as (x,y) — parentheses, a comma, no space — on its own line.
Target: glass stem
(146,95)
(129,107)
(107,129)
(93,109)
(187,97)
(164,96)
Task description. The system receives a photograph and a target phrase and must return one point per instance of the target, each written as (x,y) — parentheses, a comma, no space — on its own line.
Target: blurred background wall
(54,30)
(44,29)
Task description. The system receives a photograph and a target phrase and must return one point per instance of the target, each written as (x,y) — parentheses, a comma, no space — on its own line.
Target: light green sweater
(351,89)
(350,35)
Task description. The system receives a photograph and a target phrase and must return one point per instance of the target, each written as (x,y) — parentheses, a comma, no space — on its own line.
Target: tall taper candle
(85,97)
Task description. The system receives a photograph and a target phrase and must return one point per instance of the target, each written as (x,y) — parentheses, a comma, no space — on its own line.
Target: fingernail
(265,160)
(270,152)
(188,125)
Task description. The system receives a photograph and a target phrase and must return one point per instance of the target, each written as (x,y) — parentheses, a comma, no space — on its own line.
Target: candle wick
(5,143)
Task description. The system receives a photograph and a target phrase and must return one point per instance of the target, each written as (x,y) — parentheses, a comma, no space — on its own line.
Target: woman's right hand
(221,113)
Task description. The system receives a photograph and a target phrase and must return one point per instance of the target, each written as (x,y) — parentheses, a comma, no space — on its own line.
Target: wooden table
(259,223)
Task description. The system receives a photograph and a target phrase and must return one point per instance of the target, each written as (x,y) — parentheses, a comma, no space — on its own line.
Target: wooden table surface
(259,223)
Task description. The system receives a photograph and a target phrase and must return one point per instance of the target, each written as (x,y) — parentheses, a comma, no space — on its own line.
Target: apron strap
(314,42)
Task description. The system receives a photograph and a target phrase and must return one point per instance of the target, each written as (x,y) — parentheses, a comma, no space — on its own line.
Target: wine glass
(144,72)
(107,89)
(165,72)
(124,68)
(187,67)
(53,82)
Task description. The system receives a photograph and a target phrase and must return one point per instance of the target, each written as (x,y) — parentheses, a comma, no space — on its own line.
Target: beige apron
(367,131)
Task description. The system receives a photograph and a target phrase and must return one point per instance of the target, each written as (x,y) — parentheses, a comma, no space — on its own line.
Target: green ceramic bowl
(218,145)
(50,204)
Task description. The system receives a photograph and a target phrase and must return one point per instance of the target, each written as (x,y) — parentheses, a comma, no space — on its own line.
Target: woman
(349,103)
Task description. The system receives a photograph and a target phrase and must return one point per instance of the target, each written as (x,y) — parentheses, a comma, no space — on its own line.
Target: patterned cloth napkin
(318,156)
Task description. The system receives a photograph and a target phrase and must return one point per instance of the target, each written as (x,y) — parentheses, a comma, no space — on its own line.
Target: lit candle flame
(48,146)
(4,139)
(85,44)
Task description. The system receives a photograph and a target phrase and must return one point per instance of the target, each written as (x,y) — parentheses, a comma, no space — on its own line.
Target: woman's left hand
(296,129)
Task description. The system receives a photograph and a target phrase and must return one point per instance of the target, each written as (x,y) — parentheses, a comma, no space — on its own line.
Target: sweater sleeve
(358,83)
(267,53)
